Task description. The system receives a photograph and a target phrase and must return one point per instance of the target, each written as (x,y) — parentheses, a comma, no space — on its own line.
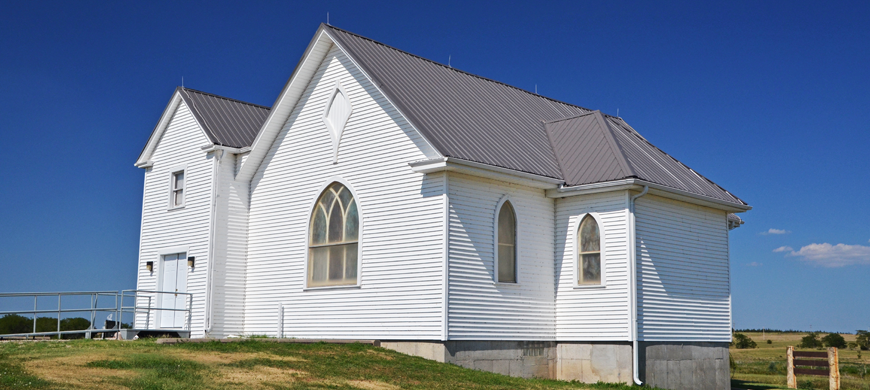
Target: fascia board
(170,111)
(483,170)
(286,102)
(655,189)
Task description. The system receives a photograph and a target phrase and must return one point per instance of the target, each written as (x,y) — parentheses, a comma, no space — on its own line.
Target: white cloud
(828,255)
(754,264)
(775,231)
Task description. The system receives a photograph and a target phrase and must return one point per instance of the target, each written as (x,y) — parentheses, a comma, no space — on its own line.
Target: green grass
(144,364)
(754,371)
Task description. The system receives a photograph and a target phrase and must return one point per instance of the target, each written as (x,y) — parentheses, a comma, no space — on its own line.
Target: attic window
(336,115)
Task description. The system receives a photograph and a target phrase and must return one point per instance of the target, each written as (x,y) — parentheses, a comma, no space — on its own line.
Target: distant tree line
(14,323)
(813,340)
(772,331)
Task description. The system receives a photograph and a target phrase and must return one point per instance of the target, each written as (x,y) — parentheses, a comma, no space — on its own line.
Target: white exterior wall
(683,275)
(593,313)
(164,229)
(231,227)
(480,309)
(402,215)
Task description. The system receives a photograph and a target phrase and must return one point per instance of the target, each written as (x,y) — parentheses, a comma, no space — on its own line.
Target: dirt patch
(258,377)
(373,385)
(379,354)
(219,358)
(71,372)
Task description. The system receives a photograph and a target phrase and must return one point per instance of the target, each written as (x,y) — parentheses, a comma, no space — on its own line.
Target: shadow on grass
(738,384)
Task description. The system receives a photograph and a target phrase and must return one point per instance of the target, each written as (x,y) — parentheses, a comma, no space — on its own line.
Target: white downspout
(633,265)
(218,154)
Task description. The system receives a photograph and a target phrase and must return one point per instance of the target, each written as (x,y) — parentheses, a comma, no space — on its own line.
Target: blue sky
(771,100)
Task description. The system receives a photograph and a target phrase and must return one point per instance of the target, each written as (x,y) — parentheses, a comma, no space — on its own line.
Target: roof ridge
(224,97)
(570,117)
(454,69)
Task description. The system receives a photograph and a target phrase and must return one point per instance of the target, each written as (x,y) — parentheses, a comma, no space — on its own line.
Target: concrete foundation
(685,366)
(676,366)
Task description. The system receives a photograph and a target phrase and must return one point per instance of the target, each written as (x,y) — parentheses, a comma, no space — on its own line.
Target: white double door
(174,276)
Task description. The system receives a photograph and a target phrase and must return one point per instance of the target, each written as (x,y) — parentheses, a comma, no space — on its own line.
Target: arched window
(333,239)
(589,257)
(507,244)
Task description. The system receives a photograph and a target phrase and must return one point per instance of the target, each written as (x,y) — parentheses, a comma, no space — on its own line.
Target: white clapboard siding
(684,291)
(188,226)
(598,313)
(480,309)
(402,214)
(228,280)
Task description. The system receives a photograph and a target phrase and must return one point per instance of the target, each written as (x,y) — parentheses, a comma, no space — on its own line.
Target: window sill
(349,286)
(175,208)
(589,287)
(505,284)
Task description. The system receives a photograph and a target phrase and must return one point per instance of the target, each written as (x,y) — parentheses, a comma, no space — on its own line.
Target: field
(143,364)
(764,367)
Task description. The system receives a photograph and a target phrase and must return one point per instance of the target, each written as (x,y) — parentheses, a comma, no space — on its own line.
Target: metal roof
(226,121)
(477,119)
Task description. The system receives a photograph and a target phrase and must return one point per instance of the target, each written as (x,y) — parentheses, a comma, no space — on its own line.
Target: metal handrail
(94,307)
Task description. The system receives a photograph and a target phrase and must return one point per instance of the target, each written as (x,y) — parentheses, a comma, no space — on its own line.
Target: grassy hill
(764,367)
(143,364)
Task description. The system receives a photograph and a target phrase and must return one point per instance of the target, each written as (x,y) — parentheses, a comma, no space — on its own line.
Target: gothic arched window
(589,256)
(333,239)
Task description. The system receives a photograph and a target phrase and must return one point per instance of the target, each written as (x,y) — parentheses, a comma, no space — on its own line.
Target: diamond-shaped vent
(338,110)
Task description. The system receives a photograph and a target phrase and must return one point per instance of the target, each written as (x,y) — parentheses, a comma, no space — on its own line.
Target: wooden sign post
(832,364)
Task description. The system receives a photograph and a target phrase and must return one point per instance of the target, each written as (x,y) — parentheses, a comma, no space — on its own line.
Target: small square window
(177,194)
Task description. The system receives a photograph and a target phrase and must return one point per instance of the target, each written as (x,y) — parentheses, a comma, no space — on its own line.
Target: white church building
(388,197)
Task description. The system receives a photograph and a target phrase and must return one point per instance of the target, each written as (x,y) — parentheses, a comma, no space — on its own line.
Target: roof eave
(655,189)
(449,164)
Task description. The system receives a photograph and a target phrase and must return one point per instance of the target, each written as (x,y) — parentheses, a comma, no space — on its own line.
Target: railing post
(790,379)
(148,314)
(35,297)
(58,316)
(91,325)
(834,364)
(118,305)
(189,313)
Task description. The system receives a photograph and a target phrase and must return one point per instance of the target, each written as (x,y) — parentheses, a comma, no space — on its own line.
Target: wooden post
(833,363)
(790,379)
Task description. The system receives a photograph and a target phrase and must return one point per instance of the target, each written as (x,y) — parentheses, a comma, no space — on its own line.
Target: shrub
(769,342)
(863,339)
(806,385)
(772,367)
(834,340)
(852,345)
(811,341)
(742,341)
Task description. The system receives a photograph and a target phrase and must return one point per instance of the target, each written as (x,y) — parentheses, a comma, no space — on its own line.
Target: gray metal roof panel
(477,119)
(226,121)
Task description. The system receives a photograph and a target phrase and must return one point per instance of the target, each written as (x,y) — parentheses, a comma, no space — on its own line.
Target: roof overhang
(654,189)
(448,164)
(293,91)
(144,158)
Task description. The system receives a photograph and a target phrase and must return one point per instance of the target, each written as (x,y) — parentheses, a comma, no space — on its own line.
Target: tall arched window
(589,257)
(333,239)
(507,244)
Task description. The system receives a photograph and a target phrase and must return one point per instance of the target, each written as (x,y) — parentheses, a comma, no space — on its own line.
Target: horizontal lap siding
(479,309)
(402,221)
(593,314)
(684,291)
(163,228)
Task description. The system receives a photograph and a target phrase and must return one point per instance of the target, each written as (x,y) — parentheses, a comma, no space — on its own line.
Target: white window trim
(172,189)
(575,255)
(359,245)
(501,202)
(334,133)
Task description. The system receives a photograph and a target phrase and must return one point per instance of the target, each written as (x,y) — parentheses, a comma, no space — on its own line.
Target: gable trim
(154,139)
(286,102)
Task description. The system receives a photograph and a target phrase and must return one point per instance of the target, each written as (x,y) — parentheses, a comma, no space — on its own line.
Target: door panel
(174,280)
